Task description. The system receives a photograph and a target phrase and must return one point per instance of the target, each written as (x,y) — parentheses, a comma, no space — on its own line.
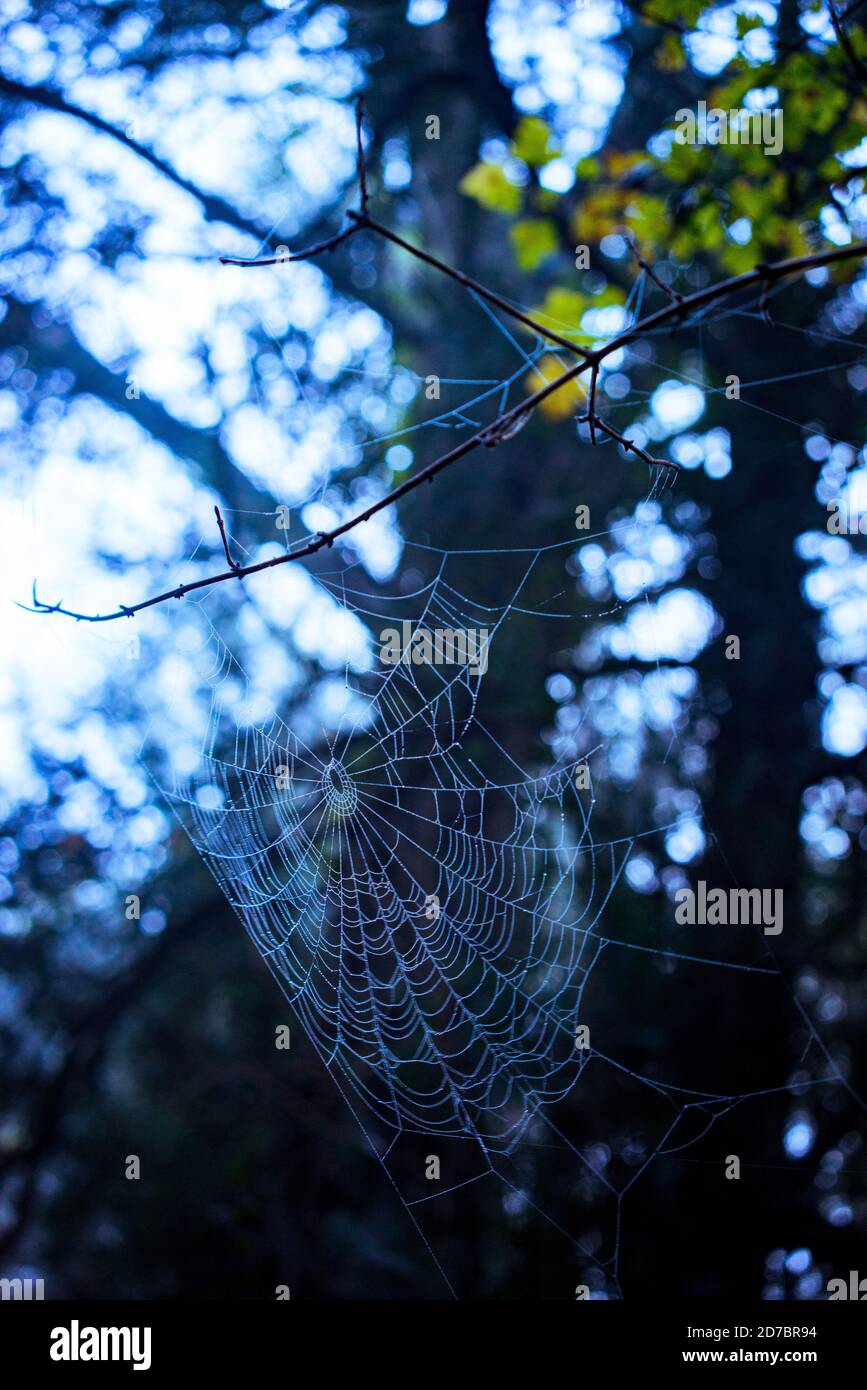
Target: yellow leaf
(601,212)
(562,309)
(489,186)
(620,162)
(563,402)
(533,240)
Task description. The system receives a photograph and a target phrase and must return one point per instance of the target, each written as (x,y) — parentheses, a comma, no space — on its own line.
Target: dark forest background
(160,137)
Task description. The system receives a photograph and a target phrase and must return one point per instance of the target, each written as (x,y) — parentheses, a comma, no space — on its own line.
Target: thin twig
(508,422)
(466,280)
(634,448)
(232,563)
(649,270)
(763,304)
(768,279)
(330,243)
(498,429)
(845,42)
(591,413)
(319,542)
(361,219)
(359,154)
(306,255)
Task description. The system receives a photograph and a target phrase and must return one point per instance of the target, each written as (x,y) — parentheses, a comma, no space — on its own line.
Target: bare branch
(629,444)
(507,422)
(307,255)
(233,564)
(215,209)
(361,219)
(359,148)
(497,433)
(331,242)
(591,414)
(845,42)
(467,281)
(668,290)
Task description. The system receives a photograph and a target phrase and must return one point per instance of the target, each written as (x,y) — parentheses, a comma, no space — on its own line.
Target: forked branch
(508,422)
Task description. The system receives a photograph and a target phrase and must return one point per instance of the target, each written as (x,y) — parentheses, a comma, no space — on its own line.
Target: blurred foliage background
(141,382)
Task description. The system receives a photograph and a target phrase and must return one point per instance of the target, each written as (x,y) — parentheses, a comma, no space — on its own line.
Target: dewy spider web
(432,909)
(433,927)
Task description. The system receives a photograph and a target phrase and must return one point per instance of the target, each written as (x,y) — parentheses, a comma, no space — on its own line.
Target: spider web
(432,926)
(434,910)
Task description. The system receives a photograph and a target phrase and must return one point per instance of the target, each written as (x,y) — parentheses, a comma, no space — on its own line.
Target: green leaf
(612,294)
(533,142)
(748,22)
(738,259)
(587,168)
(489,186)
(749,201)
(564,308)
(684,162)
(670,57)
(686,11)
(649,219)
(533,240)
(708,224)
